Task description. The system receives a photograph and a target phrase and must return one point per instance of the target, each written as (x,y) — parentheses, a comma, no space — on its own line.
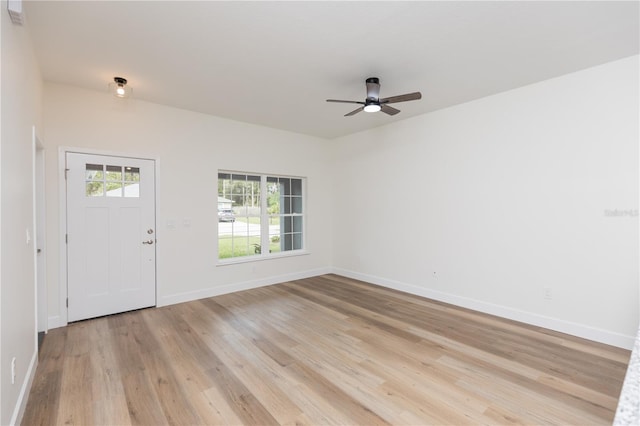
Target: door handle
(148,242)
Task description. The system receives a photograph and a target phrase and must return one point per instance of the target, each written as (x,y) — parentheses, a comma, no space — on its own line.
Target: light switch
(186,222)
(28,235)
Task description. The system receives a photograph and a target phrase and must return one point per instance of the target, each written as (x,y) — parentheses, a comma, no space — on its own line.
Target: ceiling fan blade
(388,109)
(373,88)
(354,112)
(345,102)
(402,98)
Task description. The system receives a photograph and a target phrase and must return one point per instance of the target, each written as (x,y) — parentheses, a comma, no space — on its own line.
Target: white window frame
(264,221)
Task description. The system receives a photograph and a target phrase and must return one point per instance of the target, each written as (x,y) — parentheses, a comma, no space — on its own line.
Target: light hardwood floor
(324,350)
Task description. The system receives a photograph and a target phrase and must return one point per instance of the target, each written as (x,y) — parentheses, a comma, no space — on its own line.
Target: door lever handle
(148,242)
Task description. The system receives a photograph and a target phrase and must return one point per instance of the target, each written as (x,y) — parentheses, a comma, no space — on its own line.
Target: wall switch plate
(548,294)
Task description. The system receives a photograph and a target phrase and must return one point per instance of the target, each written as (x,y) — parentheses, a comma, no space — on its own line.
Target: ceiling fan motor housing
(373,89)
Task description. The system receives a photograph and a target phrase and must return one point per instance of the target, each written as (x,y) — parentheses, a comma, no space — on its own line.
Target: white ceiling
(275,63)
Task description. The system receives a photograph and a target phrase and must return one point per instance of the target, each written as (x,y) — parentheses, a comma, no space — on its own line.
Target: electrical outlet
(548,294)
(435,275)
(13,370)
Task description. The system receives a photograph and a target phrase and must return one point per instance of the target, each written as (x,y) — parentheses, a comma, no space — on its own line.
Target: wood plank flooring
(325,350)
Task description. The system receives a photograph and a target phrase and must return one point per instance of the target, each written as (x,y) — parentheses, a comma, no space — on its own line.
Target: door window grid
(112,181)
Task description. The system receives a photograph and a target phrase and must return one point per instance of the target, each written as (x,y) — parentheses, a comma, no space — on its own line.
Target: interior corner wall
(522,204)
(189,148)
(21,85)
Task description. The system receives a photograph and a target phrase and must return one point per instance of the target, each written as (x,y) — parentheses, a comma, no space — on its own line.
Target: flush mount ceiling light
(119,88)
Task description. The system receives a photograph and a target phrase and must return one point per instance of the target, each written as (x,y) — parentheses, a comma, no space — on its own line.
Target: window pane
(287,224)
(114,189)
(296,187)
(288,242)
(95,189)
(94,172)
(132,174)
(297,223)
(296,205)
(251,197)
(224,190)
(114,173)
(225,246)
(239,177)
(132,190)
(273,198)
(285,186)
(274,242)
(286,205)
(297,241)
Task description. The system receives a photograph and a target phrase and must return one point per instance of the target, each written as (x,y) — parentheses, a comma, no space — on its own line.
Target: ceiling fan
(373,103)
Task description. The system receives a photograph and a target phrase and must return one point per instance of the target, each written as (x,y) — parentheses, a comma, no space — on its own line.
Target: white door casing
(39,235)
(111,240)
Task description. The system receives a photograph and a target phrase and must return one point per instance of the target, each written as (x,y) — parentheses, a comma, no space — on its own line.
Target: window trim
(264,220)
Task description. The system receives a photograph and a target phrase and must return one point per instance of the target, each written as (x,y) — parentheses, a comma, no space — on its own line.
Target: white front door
(111,251)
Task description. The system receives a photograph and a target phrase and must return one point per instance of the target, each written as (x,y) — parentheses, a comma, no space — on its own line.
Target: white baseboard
(21,404)
(172,299)
(575,329)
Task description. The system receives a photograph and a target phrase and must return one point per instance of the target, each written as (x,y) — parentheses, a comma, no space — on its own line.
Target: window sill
(249,259)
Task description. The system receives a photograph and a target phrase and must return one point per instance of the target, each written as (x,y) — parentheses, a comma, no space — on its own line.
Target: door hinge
(66,238)
(65,173)
(67,302)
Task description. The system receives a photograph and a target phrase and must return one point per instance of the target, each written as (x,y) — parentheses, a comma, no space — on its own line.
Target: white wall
(20,111)
(190,148)
(501,198)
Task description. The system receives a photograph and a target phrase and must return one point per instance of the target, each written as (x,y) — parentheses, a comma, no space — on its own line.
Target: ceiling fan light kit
(373,103)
